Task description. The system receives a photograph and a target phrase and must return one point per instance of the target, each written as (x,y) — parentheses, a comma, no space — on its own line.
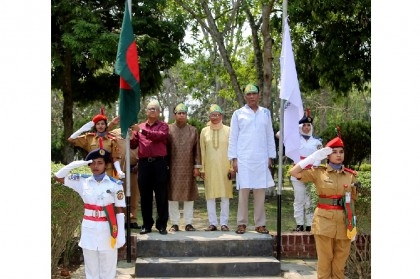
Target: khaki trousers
(134,197)
(259,210)
(332,256)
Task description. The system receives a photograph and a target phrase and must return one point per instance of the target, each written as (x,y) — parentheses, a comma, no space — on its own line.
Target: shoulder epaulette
(90,134)
(77,176)
(119,182)
(350,171)
(320,167)
(111,136)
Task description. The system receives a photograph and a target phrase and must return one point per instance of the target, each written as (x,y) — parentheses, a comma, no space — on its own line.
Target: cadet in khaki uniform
(90,141)
(134,189)
(333,182)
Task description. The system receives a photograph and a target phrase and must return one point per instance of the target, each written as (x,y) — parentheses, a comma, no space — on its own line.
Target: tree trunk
(268,56)
(258,54)
(218,38)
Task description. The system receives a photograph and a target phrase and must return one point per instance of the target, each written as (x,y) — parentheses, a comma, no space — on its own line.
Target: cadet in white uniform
(102,230)
(302,201)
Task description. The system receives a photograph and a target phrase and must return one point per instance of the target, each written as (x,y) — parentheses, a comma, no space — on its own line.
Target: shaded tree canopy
(332,43)
(84,43)
(86,34)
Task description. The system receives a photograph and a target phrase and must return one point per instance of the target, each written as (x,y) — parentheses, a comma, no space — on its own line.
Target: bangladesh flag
(127,67)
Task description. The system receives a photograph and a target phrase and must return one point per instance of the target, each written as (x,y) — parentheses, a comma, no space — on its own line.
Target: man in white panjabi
(251,149)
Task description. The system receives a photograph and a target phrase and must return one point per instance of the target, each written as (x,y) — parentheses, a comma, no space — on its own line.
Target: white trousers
(224,211)
(175,215)
(302,204)
(100,264)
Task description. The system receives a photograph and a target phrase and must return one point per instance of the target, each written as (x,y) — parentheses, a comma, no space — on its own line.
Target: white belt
(95,213)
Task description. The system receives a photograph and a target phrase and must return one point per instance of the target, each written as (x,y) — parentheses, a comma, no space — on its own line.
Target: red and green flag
(127,67)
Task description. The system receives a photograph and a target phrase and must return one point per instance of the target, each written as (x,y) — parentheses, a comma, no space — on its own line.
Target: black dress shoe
(163,231)
(134,226)
(299,228)
(145,230)
(308,228)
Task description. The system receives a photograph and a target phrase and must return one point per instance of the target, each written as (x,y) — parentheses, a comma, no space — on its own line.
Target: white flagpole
(129,8)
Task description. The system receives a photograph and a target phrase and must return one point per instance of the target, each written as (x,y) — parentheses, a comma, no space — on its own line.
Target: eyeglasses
(181,113)
(151,109)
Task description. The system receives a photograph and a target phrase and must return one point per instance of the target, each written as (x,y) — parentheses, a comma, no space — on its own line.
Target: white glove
(117,166)
(121,232)
(64,171)
(82,129)
(318,155)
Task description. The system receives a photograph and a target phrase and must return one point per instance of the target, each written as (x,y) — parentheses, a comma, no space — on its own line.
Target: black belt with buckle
(329,201)
(152,159)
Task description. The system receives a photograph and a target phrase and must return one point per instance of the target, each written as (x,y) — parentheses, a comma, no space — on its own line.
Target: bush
(364,167)
(359,261)
(66,216)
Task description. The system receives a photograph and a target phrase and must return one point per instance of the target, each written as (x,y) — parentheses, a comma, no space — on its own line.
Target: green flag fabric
(127,67)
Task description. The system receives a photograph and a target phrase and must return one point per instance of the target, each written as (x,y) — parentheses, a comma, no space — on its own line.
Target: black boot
(299,228)
(308,228)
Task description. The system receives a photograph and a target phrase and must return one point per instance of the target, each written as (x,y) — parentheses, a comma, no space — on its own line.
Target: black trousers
(153,178)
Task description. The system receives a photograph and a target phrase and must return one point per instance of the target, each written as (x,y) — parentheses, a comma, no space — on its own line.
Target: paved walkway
(291,269)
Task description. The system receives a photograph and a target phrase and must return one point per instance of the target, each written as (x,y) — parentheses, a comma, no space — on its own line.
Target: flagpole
(128,193)
(280,167)
(128,174)
(126,66)
(129,8)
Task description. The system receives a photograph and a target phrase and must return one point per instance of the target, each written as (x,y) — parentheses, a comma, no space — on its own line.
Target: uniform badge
(102,152)
(74,177)
(120,195)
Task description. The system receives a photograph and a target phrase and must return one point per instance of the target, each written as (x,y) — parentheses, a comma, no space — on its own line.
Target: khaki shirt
(122,146)
(329,182)
(90,141)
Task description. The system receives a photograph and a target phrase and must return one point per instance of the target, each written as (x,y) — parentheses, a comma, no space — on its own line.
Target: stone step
(205,244)
(205,254)
(206,267)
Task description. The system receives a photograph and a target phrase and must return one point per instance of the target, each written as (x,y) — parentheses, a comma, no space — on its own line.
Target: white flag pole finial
(129,8)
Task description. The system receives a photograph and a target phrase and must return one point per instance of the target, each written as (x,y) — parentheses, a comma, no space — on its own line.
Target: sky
(25,113)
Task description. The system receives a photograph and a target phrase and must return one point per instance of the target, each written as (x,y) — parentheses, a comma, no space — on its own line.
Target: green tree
(332,43)
(84,43)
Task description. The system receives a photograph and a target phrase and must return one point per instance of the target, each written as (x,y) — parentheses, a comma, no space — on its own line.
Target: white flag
(290,92)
